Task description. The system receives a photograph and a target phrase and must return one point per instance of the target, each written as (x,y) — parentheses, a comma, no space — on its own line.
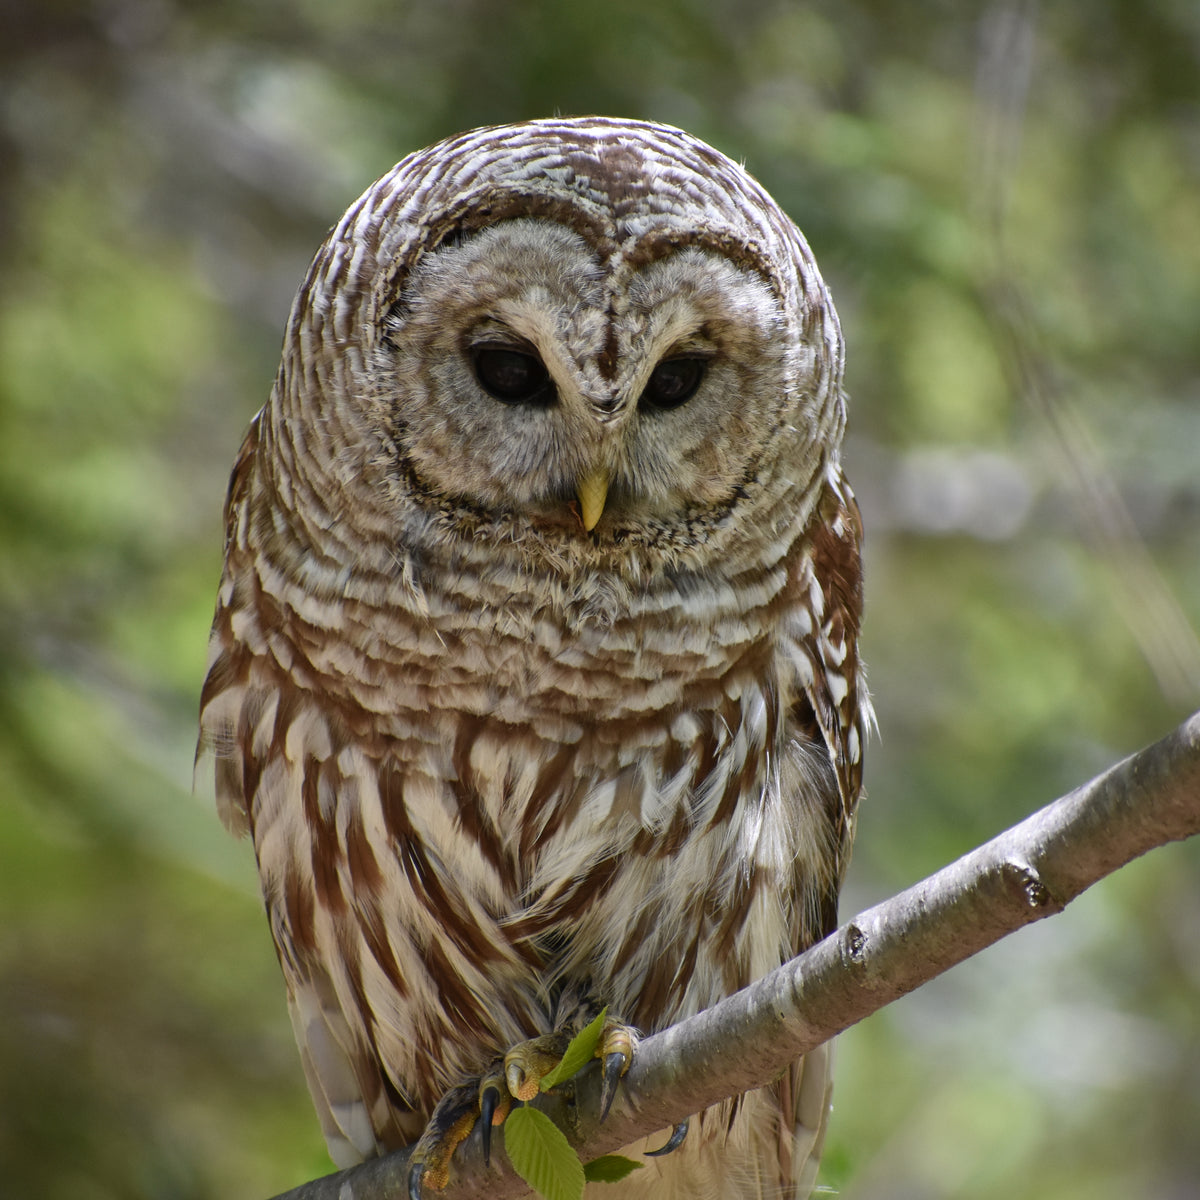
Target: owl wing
(831,709)
(274,755)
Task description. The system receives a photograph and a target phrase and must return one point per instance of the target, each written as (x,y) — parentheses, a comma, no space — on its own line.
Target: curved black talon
(415,1174)
(488,1100)
(673,1142)
(615,1065)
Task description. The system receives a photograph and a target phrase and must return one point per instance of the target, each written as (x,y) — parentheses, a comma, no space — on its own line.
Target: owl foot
(510,1081)
(517,1078)
(616,1053)
(526,1065)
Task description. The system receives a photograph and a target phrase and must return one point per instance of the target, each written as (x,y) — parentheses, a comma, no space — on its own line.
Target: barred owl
(534,670)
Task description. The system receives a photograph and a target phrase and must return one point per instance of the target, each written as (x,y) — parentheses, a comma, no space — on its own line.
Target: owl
(534,671)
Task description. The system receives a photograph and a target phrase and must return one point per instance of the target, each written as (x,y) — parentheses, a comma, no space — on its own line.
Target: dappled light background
(1005,201)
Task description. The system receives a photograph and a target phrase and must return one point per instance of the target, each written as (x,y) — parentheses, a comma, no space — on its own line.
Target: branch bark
(1029,872)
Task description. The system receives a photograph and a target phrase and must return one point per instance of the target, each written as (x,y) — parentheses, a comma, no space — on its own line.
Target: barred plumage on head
(534,672)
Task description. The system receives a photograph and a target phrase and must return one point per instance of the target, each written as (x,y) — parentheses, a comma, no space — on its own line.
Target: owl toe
(615,1052)
(528,1063)
(451,1123)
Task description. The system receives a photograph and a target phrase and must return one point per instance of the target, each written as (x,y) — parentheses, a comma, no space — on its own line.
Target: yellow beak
(592,491)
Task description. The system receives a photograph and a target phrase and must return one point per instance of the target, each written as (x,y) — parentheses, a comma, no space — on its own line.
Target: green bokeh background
(1005,201)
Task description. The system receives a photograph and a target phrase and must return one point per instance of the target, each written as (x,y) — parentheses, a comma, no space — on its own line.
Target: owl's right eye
(673,382)
(512,376)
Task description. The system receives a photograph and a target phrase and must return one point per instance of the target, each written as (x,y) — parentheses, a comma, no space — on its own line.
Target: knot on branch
(1028,881)
(854,944)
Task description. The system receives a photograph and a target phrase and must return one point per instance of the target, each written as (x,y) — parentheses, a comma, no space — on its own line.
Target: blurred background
(1005,201)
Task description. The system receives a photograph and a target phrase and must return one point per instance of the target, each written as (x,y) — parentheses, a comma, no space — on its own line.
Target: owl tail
(812,1080)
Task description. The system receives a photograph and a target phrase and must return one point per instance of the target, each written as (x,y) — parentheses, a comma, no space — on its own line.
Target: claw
(615,1065)
(673,1142)
(488,1099)
(415,1174)
(616,1053)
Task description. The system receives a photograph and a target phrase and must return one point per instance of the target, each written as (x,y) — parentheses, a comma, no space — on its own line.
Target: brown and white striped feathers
(534,671)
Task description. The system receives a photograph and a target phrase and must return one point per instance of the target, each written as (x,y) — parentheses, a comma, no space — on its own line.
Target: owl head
(595,342)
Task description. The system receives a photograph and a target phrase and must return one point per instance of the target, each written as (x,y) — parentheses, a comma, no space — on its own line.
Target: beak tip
(592,492)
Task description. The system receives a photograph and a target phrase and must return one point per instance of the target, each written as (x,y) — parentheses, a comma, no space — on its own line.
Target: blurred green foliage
(167,168)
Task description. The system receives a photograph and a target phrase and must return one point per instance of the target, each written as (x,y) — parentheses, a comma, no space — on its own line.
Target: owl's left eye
(512,376)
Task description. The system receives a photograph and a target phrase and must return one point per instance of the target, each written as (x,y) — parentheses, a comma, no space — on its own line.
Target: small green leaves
(579,1053)
(609,1168)
(542,1156)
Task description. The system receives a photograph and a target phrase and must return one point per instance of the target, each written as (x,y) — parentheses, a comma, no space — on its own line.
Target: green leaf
(609,1168)
(580,1052)
(542,1156)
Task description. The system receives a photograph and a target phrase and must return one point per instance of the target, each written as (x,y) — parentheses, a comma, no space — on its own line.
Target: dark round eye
(673,382)
(512,375)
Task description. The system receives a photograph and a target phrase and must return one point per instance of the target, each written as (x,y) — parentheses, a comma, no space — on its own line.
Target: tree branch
(1032,871)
